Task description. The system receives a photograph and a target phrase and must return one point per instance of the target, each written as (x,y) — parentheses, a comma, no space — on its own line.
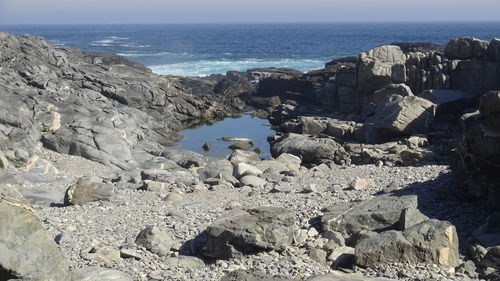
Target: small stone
(361,184)
(318,255)
(281,188)
(312,232)
(63,238)
(206,146)
(154,186)
(310,188)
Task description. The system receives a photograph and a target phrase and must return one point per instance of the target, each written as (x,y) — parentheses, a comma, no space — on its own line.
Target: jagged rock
(255,229)
(477,76)
(465,48)
(243,169)
(154,186)
(155,240)
(99,274)
(342,256)
(381,66)
(494,49)
(450,101)
(26,250)
(378,214)
(87,190)
(393,89)
(431,241)
(400,116)
(309,150)
(218,168)
(475,161)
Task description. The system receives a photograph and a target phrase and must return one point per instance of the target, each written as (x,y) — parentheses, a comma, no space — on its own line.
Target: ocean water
(202,49)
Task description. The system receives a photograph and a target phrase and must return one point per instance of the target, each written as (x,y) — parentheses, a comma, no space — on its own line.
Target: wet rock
(206,146)
(250,231)
(241,145)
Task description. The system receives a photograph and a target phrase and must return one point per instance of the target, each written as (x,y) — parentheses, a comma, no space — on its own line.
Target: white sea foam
(207,67)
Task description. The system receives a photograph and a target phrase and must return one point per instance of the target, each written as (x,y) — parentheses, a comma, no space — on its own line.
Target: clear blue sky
(217,11)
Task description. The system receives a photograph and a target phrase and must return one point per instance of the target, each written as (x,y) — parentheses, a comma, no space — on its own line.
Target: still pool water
(245,126)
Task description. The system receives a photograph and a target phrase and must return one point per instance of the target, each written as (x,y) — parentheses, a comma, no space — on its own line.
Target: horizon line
(262,22)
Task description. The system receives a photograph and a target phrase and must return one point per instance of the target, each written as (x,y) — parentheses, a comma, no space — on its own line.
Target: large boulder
(494,49)
(477,76)
(155,240)
(465,48)
(400,116)
(26,250)
(378,214)
(477,158)
(450,101)
(381,66)
(257,229)
(431,241)
(308,149)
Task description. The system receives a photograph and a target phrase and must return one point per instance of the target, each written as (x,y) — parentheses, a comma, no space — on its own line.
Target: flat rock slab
(252,230)
(44,197)
(26,250)
(378,214)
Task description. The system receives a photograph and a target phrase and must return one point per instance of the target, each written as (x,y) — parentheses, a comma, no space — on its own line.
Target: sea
(203,49)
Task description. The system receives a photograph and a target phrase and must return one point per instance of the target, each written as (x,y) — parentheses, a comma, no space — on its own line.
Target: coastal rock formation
(476,160)
(250,231)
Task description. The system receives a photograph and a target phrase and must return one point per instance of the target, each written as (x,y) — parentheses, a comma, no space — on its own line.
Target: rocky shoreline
(373,160)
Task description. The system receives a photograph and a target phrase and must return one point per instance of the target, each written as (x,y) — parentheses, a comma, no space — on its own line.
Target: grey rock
(241,145)
(240,156)
(318,255)
(184,158)
(393,89)
(27,251)
(342,256)
(129,253)
(155,240)
(401,116)
(186,261)
(99,274)
(378,214)
(87,190)
(431,241)
(494,49)
(450,101)
(309,150)
(44,197)
(465,48)
(251,230)
(339,276)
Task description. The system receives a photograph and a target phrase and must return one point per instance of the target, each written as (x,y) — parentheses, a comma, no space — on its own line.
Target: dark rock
(465,48)
(241,145)
(450,101)
(206,146)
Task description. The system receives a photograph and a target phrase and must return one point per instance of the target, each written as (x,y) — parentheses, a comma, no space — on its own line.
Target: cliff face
(96,105)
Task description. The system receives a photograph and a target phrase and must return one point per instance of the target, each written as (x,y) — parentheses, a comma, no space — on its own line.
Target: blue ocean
(202,49)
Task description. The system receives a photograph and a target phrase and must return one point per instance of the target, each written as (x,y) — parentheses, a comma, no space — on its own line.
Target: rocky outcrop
(476,159)
(99,106)
(252,230)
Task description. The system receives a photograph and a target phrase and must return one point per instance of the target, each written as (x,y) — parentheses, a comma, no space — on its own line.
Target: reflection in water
(245,126)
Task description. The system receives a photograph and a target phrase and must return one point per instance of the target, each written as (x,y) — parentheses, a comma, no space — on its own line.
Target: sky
(226,11)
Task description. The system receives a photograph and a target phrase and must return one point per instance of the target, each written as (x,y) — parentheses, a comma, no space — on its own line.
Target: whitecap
(207,67)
